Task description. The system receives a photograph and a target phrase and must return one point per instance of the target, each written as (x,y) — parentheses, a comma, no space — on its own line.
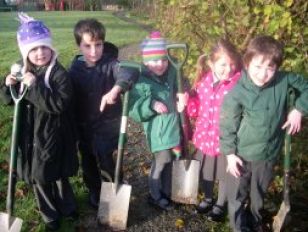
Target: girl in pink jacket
(210,88)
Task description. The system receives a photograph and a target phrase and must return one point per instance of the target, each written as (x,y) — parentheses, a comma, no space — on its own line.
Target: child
(211,86)
(98,82)
(47,158)
(253,118)
(153,102)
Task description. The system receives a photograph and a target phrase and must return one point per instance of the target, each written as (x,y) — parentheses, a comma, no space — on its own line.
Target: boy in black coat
(98,82)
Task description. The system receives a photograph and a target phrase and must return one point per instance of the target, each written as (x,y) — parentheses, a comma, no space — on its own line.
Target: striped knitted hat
(154,47)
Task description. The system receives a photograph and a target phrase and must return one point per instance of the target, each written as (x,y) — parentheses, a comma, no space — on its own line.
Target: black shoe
(52,226)
(204,206)
(161,203)
(94,200)
(164,195)
(216,214)
(73,216)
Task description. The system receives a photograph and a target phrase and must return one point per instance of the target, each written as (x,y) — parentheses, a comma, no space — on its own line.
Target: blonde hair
(222,46)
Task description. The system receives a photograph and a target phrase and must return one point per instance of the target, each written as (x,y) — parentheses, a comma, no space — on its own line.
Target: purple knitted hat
(33,33)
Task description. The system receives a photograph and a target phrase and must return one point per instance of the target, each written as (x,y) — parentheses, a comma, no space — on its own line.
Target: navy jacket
(90,84)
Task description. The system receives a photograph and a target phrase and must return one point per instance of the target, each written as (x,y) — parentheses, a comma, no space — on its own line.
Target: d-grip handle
(177,63)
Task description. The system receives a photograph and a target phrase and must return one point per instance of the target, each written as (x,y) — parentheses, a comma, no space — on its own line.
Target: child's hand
(110,97)
(159,107)
(234,163)
(10,80)
(294,121)
(182,101)
(28,79)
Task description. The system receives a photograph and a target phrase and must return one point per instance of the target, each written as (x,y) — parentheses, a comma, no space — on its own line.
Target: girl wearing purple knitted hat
(153,102)
(46,158)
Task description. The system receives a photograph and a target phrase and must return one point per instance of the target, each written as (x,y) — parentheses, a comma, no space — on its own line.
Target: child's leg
(206,185)
(209,169)
(64,197)
(237,193)
(217,212)
(104,150)
(166,177)
(262,174)
(90,172)
(222,193)
(46,202)
(221,177)
(203,183)
(161,159)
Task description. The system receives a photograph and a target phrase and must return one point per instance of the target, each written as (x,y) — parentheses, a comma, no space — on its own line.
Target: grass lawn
(61,25)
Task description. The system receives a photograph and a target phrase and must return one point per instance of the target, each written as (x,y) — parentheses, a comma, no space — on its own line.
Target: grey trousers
(55,199)
(160,175)
(252,186)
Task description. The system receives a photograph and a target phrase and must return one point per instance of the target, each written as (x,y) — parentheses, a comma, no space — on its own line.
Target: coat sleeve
(140,104)
(124,77)
(56,99)
(192,107)
(300,84)
(230,120)
(5,94)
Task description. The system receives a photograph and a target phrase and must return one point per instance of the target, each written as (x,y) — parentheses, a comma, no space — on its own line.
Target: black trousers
(96,155)
(55,199)
(252,186)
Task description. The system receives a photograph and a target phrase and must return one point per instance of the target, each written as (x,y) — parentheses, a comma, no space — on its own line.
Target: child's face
(157,66)
(261,70)
(40,56)
(223,68)
(92,50)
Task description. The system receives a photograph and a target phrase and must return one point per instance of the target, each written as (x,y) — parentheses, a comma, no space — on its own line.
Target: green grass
(61,26)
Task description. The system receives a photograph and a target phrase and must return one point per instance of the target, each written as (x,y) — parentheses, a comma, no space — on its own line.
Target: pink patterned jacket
(205,106)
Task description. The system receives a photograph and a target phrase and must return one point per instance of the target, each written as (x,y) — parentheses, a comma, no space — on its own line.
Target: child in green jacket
(153,102)
(253,120)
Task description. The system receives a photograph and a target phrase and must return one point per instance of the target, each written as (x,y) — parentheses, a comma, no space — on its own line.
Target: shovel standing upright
(285,207)
(8,223)
(185,172)
(114,197)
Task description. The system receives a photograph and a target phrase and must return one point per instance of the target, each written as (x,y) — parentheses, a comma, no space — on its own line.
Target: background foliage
(199,23)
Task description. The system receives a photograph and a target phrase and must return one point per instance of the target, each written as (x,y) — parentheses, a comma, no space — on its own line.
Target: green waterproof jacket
(252,116)
(162,130)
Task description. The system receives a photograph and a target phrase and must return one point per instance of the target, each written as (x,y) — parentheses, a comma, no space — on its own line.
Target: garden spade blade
(185,182)
(114,197)
(114,205)
(9,223)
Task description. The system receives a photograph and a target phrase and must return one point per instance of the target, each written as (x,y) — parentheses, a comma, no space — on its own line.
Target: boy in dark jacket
(46,158)
(253,119)
(98,82)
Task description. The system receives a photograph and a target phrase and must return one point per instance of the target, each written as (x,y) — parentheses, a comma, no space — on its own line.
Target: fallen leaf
(179,223)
